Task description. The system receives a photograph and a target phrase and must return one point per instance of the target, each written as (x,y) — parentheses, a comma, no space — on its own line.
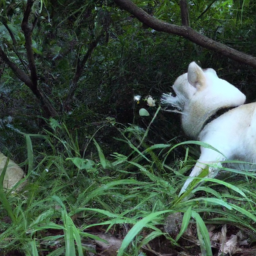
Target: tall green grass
(68,196)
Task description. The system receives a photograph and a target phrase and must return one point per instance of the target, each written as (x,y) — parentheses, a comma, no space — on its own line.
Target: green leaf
(77,237)
(203,235)
(50,225)
(136,229)
(208,190)
(57,252)
(59,201)
(34,248)
(185,222)
(150,237)
(104,212)
(213,201)
(228,185)
(29,152)
(111,185)
(69,240)
(3,197)
(82,164)
(244,212)
(54,124)
(101,155)
(143,112)
(42,217)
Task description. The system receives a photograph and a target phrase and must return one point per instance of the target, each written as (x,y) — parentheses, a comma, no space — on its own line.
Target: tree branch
(47,107)
(18,72)
(4,21)
(33,83)
(184,12)
(80,68)
(187,33)
(28,42)
(207,8)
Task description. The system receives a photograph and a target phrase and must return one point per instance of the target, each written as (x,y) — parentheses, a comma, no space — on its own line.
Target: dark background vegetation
(78,65)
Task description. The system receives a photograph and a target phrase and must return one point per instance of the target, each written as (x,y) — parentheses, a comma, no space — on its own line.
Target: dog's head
(204,88)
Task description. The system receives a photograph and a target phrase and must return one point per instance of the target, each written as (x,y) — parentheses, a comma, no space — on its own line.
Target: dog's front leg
(209,158)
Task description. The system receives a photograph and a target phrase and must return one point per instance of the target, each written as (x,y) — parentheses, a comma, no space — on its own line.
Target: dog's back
(233,133)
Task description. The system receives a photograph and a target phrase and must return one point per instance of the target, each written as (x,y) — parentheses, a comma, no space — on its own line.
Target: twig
(18,72)
(207,8)
(28,42)
(79,69)
(14,43)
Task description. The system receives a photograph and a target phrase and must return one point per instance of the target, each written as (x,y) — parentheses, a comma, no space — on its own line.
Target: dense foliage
(69,73)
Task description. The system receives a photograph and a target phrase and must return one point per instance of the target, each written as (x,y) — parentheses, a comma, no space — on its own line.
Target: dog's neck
(215,115)
(196,117)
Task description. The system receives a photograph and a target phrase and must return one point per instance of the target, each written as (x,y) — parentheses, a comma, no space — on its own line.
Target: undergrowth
(73,196)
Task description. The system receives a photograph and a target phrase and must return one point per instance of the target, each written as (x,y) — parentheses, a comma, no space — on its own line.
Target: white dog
(201,95)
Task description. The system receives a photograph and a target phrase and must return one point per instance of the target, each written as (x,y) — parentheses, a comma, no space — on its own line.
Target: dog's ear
(196,76)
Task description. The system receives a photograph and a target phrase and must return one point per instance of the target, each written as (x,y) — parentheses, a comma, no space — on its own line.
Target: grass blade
(103,160)
(213,201)
(185,222)
(136,229)
(203,235)
(3,197)
(68,235)
(34,248)
(30,152)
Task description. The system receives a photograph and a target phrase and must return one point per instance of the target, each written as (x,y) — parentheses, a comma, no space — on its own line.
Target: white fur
(200,94)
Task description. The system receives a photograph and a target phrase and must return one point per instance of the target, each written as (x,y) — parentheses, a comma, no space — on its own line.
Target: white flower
(137,97)
(151,102)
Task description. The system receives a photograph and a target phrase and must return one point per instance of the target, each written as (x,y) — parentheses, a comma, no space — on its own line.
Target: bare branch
(33,85)
(18,72)
(49,110)
(207,8)
(28,41)
(187,33)
(4,21)
(184,12)
(80,68)
(35,21)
